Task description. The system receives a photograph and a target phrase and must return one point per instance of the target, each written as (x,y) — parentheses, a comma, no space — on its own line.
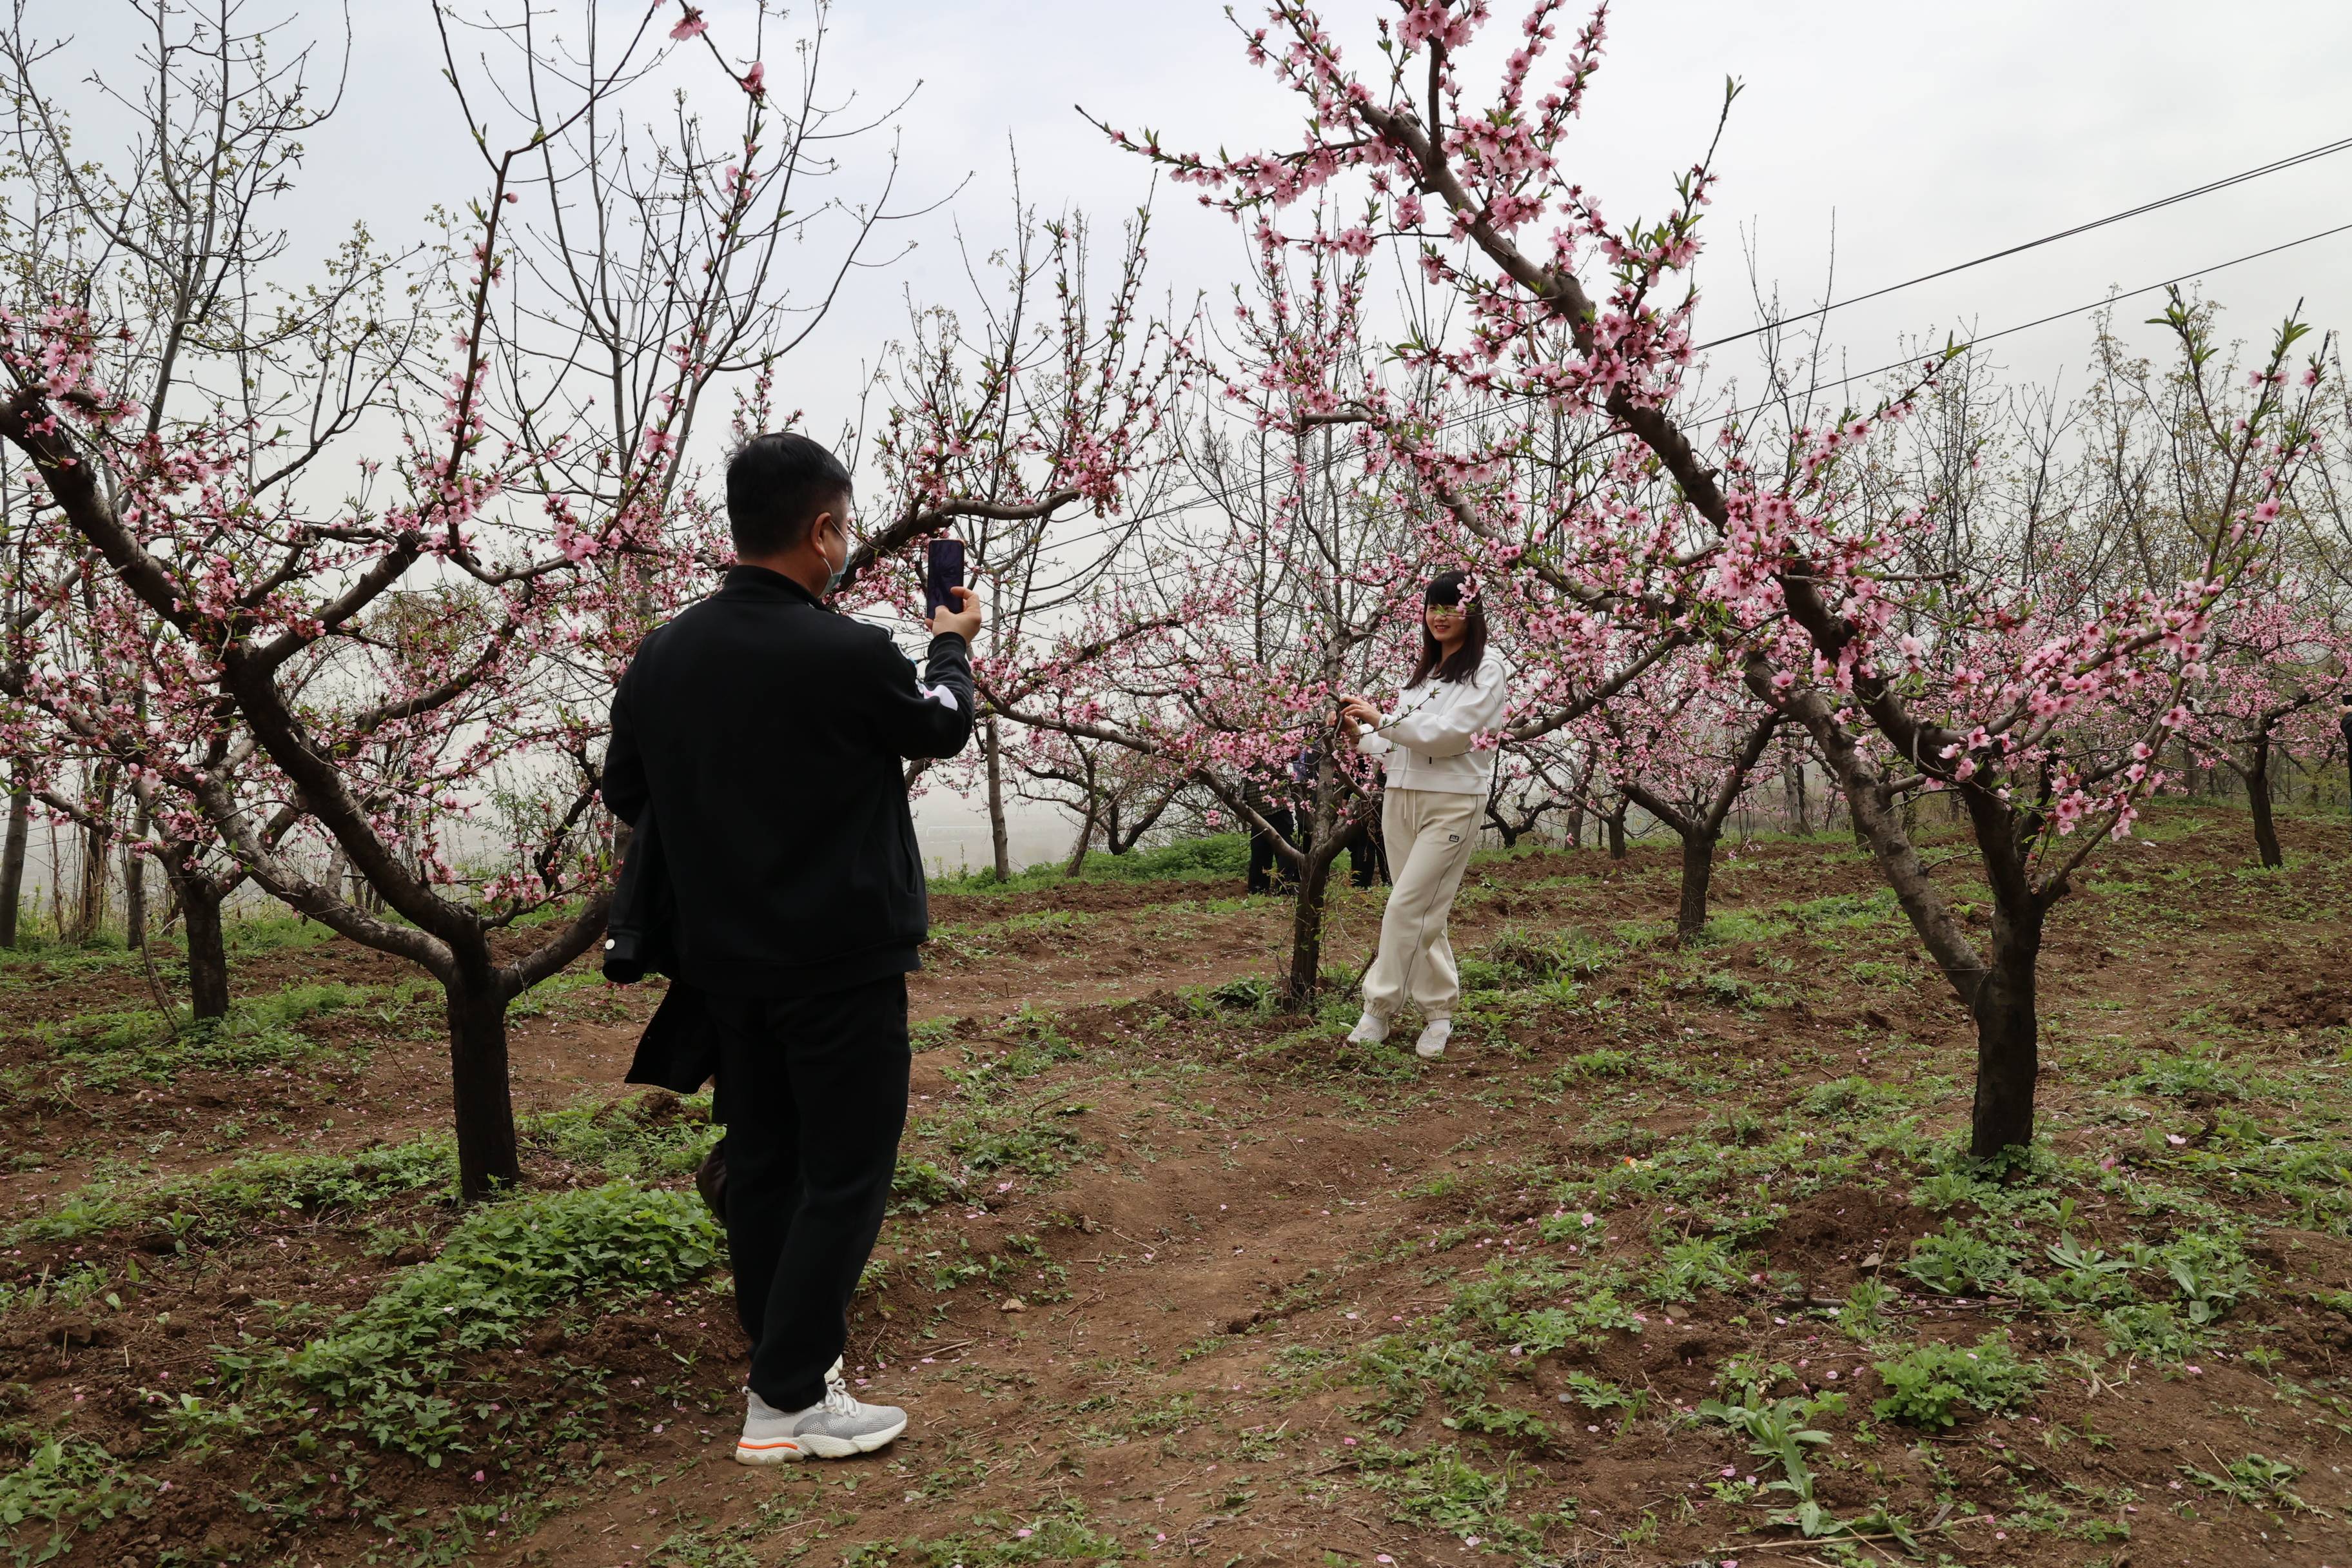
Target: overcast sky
(1915,136)
(1920,135)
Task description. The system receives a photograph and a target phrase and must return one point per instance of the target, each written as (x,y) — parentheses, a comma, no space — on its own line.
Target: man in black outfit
(766,733)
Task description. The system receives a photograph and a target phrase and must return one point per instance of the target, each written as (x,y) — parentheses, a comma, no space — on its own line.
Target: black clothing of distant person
(764,734)
(1289,816)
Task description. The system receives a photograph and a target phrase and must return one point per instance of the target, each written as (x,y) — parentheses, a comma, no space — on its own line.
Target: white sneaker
(838,1427)
(1370,1030)
(1431,1044)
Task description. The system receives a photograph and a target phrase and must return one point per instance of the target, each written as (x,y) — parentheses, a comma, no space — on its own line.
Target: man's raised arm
(930,715)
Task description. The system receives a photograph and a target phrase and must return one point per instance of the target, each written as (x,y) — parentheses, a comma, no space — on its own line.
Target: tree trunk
(1698,872)
(134,886)
(1300,984)
(200,910)
(2009,1053)
(998,840)
(486,1155)
(2258,800)
(1085,836)
(1616,820)
(56,883)
(12,862)
(89,889)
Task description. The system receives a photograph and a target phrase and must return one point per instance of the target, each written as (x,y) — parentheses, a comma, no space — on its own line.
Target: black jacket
(677,1050)
(764,733)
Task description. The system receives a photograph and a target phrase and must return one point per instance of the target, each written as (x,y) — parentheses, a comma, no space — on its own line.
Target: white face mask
(841,531)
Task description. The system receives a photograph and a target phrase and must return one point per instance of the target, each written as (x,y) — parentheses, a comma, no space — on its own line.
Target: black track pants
(813,1093)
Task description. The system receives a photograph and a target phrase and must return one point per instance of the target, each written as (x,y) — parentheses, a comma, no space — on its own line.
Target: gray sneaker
(836,1427)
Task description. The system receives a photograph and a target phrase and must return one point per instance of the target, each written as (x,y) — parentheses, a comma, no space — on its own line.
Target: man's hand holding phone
(963,620)
(952,606)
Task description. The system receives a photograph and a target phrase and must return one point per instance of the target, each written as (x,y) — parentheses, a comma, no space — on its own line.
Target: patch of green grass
(1603,1063)
(654,1137)
(1697,1263)
(1731,927)
(1438,1488)
(502,1270)
(1845,911)
(1928,1385)
(2152,1331)
(1060,1534)
(1216,856)
(2255,1480)
(1404,1373)
(2195,1071)
(106,1051)
(2087,1276)
(1853,1099)
(2208,1268)
(216,1202)
(67,1485)
(1959,1262)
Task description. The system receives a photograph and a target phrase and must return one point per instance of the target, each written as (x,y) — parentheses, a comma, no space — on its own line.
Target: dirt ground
(1175,1276)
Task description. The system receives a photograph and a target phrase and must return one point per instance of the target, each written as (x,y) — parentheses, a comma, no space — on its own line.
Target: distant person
(764,733)
(1436,793)
(1368,858)
(1267,869)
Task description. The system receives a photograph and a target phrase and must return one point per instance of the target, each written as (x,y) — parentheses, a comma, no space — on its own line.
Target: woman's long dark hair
(1445,588)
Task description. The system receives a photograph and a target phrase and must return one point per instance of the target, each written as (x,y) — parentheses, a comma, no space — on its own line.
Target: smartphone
(944,571)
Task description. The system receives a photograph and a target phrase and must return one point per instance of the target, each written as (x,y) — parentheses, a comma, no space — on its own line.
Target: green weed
(1927,1385)
(1959,1262)
(68,1485)
(503,1268)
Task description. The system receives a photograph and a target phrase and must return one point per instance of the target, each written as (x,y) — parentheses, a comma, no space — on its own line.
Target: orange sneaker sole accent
(763,1447)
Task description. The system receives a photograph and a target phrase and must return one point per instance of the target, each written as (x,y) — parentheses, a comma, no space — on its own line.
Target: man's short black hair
(777,484)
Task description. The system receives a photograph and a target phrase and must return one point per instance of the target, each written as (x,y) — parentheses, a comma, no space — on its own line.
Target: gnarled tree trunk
(2258,801)
(134,886)
(488,1155)
(2009,1046)
(1698,873)
(1303,978)
(200,916)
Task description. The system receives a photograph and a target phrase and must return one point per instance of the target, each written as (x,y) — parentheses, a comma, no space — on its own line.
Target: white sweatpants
(1430,834)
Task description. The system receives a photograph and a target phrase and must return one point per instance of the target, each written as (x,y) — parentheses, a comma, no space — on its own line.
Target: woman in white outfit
(1437,786)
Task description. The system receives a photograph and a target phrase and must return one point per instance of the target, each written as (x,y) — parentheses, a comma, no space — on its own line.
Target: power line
(2060,316)
(2144,207)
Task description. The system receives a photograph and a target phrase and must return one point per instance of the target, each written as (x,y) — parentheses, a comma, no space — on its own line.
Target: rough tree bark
(200,916)
(134,885)
(2258,801)
(477,993)
(12,862)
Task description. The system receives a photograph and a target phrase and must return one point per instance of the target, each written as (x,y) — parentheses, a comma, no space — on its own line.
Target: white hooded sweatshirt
(1426,743)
